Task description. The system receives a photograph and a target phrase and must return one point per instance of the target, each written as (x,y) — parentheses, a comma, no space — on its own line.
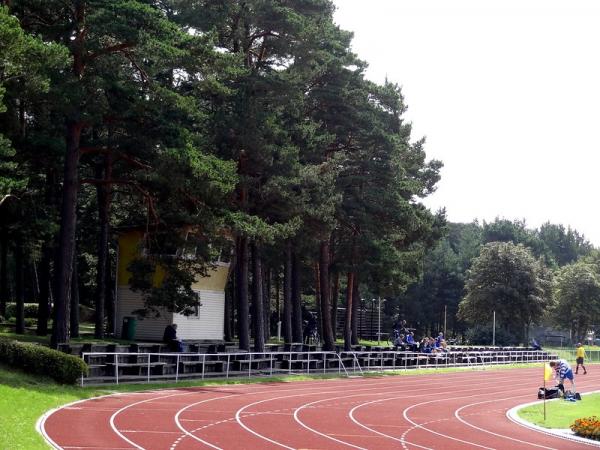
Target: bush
(588,427)
(40,360)
(31,310)
(482,335)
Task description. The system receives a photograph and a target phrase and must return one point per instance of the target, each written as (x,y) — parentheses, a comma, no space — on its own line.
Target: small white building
(206,324)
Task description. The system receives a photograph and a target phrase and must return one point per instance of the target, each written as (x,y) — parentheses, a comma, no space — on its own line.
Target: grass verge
(561,414)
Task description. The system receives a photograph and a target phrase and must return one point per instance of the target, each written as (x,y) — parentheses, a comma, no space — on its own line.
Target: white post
(445,316)
(378,320)
(279,331)
(494,331)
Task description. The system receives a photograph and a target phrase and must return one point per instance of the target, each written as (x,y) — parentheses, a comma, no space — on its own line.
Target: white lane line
(372,430)
(458,416)
(296,416)
(186,432)
(306,405)
(116,413)
(402,439)
(406,410)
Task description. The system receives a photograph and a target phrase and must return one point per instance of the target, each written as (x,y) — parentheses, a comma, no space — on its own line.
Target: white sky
(507,93)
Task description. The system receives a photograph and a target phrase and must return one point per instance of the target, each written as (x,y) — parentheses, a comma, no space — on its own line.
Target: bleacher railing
(107,367)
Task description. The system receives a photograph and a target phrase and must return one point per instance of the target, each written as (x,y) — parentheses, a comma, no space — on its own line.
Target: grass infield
(560,413)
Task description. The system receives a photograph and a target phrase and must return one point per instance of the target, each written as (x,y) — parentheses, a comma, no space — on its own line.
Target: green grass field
(560,413)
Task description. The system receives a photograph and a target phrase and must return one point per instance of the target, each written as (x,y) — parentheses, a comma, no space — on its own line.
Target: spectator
(426,345)
(580,356)
(439,339)
(410,341)
(170,338)
(309,329)
(535,344)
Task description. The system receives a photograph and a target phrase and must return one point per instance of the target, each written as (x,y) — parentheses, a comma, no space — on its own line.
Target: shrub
(31,310)
(482,335)
(588,427)
(40,360)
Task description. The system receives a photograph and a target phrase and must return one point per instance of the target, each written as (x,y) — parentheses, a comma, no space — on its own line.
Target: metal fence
(592,356)
(154,367)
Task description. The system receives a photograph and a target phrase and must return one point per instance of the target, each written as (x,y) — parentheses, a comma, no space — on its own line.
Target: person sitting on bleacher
(399,341)
(426,345)
(410,342)
(170,338)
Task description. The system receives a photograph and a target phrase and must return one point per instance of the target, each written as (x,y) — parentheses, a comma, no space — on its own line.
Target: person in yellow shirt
(580,356)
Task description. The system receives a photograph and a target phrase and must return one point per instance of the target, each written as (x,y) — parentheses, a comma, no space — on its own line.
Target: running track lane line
(40,425)
(116,413)
(239,421)
(402,439)
(187,433)
(312,387)
(376,384)
(457,415)
(428,390)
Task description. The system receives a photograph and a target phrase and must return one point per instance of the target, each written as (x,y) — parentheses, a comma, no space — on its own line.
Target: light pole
(361,313)
(494,331)
(372,311)
(379,320)
(445,315)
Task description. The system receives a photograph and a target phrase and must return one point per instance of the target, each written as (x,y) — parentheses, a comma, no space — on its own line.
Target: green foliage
(31,310)
(484,335)
(40,360)
(507,279)
(25,63)
(577,297)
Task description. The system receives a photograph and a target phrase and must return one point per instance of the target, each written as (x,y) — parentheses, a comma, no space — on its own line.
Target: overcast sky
(507,94)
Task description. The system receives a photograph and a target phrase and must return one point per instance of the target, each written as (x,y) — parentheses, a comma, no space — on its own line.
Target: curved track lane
(435,411)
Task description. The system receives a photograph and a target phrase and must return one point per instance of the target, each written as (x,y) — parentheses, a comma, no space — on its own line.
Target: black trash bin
(128,329)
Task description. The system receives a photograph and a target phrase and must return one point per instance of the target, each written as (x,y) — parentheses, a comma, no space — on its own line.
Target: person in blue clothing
(439,339)
(563,372)
(170,338)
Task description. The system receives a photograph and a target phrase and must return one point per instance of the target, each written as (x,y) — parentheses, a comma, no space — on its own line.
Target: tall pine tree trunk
(44,299)
(110,296)
(267,302)
(66,247)
(258,318)
(328,342)
(68,212)
(335,292)
(349,310)
(287,295)
(20,286)
(241,284)
(296,299)
(74,300)
(317,274)
(3,272)
(355,310)
(103,193)
(227,330)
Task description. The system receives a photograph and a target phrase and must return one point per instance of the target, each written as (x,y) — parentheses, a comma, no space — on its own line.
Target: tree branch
(111,49)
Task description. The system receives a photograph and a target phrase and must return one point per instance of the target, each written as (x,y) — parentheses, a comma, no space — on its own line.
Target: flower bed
(588,427)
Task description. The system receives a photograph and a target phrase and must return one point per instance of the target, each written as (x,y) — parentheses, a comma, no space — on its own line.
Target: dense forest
(253,123)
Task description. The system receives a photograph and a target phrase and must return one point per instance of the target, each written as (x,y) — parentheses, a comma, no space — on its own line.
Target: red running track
(436,411)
